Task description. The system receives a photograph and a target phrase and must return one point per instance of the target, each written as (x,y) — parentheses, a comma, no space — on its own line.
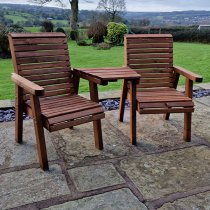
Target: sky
(139,5)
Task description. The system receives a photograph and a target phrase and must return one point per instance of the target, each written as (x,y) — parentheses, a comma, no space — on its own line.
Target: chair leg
(39,131)
(122,100)
(166,116)
(98,134)
(19,115)
(41,146)
(187,126)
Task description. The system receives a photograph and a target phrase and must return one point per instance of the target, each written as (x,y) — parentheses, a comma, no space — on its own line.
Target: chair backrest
(151,55)
(43,58)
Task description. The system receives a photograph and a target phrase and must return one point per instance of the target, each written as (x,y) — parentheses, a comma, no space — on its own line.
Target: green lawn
(194,57)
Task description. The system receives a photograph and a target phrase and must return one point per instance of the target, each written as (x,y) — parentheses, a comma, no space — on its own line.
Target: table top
(100,75)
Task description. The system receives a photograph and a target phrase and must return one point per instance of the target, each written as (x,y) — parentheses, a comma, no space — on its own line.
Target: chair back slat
(150,55)
(43,58)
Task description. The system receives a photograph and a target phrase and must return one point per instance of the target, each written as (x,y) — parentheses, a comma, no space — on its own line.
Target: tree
(74,10)
(113,8)
(97,31)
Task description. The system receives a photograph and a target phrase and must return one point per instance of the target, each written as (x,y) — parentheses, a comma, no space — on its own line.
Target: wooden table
(102,76)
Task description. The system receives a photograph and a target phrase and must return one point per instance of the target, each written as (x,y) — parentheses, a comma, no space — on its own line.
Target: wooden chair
(47,89)
(151,55)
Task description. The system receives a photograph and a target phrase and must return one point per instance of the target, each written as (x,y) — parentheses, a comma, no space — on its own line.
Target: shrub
(82,43)
(97,31)
(116,32)
(47,26)
(82,35)
(60,30)
(103,46)
(4,42)
(74,35)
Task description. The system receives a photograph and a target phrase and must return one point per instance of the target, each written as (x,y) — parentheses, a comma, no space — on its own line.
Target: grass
(194,57)
(32,29)
(15,18)
(63,22)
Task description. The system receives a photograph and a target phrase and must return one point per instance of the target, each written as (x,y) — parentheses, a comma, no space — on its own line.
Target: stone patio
(162,172)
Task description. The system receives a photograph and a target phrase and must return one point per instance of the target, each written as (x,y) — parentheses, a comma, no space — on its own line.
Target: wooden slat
(37,35)
(133,36)
(54,81)
(31,41)
(76,122)
(59,100)
(75,110)
(44,71)
(149,40)
(49,76)
(157,75)
(66,103)
(50,112)
(164,111)
(149,70)
(150,55)
(42,59)
(150,85)
(150,100)
(41,53)
(150,45)
(44,65)
(149,90)
(150,61)
(58,92)
(26,48)
(156,80)
(72,116)
(152,105)
(58,86)
(144,66)
(180,104)
(149,50)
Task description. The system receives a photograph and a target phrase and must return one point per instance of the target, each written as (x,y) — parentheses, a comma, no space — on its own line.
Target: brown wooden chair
(151,55)
(47,88)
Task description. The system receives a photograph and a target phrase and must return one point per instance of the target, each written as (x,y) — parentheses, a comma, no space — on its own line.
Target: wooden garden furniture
(151,56)
(47,89)
(103,76)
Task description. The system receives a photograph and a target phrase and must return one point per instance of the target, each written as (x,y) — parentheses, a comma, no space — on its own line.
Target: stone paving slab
(6,104)
(77,146)
(14,154)
(105,94)
(198,202)
(162,174)
(203,85)
(31,185)
(153,132)
(95,177)
(200,121)
(204,100)
(122,199)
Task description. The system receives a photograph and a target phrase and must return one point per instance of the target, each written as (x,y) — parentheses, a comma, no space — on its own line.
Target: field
(32,29)
(15,18)
(194,57)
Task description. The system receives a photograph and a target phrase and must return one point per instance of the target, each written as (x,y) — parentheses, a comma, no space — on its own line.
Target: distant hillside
(27,15)
(173,18)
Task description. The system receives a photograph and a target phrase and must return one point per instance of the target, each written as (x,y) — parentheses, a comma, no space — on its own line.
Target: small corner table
(102,76)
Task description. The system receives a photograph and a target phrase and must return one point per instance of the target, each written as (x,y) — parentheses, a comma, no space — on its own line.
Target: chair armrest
(188,74)
(27,85)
